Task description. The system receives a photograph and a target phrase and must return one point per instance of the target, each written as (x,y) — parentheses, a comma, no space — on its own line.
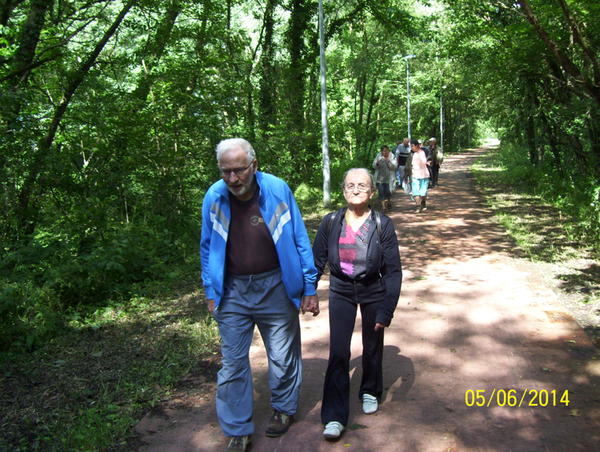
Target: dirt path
(470,317)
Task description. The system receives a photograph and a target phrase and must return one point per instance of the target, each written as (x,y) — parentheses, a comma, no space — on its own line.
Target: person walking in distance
(385,167)
(257,270)
(402,153)
(417,174)
(436,161)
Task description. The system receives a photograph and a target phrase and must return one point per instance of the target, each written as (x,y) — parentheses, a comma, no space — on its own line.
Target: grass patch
(548,230)
(85,389)
(544,230)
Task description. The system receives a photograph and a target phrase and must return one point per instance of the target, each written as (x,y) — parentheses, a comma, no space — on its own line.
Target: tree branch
(25,69)
(79,76)
(566,63)
(580,39)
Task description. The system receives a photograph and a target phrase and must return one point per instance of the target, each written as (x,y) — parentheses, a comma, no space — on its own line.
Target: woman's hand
(310,304)
(380,326)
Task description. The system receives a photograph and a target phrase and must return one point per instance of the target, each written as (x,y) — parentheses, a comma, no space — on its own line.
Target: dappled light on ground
(480,355)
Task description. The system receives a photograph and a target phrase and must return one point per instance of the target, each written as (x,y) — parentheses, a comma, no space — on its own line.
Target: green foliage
(50,276)
(86,388)
(576,198)
(28,315)
(310,199)
(306,195)
(534,83)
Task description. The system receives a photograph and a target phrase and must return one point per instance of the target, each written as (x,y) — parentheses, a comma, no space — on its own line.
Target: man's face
(238,173)
(406,142)
(432,143)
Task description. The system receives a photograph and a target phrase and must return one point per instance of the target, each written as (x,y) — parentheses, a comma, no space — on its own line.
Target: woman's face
(358,190)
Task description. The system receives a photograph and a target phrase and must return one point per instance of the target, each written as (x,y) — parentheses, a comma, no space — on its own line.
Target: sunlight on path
(470,322)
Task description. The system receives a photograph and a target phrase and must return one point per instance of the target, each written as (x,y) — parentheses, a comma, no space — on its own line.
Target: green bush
(28,315)
(44,279)
(571,189)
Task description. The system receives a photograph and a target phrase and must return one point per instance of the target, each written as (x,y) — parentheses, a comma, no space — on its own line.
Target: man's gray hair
(234,143)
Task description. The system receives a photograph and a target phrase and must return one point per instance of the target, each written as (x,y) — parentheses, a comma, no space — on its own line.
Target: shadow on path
(472,320)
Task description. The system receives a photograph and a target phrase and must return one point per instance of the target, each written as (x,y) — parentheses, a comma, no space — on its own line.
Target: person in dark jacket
(360,247)
(436,161)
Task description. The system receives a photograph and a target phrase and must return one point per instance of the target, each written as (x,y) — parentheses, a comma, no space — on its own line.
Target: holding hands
(310,303)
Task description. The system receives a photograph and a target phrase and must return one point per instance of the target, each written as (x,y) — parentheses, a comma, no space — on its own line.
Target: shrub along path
(472,321)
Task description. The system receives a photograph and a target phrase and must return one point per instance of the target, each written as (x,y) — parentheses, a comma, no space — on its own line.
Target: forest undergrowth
(85,389)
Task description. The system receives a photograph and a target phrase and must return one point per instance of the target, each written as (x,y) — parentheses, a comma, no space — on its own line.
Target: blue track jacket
(282,216)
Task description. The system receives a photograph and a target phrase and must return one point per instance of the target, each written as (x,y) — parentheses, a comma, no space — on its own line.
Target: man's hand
(211,306)
(380,326)
(310,303)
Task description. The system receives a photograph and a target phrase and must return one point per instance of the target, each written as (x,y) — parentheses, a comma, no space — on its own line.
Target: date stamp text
(514,398)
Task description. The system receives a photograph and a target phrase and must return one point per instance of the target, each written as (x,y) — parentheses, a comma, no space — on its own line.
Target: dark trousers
(344,299)
(435,173)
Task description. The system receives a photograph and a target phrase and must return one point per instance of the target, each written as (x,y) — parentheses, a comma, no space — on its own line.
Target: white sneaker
(333,430)
(370,404)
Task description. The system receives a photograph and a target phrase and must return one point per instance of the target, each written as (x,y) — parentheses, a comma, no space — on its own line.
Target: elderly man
(257,269)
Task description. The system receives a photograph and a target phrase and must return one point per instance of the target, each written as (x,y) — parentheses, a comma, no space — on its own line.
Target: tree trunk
(27,212)
(268,87)
(298,24)
(25,54)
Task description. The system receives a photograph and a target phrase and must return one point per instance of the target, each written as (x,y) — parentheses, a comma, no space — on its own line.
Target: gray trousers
(259,300)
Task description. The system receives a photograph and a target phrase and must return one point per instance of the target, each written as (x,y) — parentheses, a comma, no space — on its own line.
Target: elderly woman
(361,249)
(416,175)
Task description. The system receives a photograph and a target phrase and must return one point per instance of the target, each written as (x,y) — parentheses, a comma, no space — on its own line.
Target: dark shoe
(389,205)
(418,209)
(423,206)
(239,444)
(278,424)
